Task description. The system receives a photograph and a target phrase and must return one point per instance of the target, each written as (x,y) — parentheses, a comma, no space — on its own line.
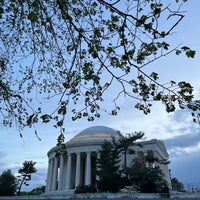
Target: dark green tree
(124,144)
(177,185)
(28,168)
(62,51)
(108,168)
(8,183)
(147,179)
(37,191)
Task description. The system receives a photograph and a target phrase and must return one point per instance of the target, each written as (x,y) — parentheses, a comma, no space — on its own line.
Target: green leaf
(46,118)
(115,18)
(154,75)
(163,34)
(178,52)
(33,17)
(190,53)
(185,48)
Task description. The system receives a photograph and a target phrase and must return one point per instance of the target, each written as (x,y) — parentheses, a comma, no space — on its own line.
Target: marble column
(48,176)
(97,157)
(78,169)
(55,174)
(88,169)
(51,174)
(68,175)
(48,171)
(60,183)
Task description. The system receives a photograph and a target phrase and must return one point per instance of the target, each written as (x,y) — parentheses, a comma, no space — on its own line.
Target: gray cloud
(181,116)
(183,141)
(2,155)
(184,133)
(4,160)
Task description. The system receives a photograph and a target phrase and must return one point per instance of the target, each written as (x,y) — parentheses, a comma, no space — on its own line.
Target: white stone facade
(77,167)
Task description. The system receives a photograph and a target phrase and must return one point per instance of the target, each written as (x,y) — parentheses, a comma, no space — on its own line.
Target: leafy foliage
(147,179)
(85,189)
(143,175)
(37,191)
(73,52)
(124,142)
(195,107)
(61,144)
(108,168)
(8,183)
(25,172)
(177,185)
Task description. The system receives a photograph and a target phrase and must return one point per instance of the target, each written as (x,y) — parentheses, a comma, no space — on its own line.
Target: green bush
(85,189)
(38,190)
(165,191)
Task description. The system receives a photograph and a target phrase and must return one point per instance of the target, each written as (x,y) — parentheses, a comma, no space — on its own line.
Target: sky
(180,135)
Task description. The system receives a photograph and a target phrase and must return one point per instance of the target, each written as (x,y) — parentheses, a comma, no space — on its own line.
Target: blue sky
(179,133)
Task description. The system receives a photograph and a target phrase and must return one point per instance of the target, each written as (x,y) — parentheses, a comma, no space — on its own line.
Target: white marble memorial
(77,167)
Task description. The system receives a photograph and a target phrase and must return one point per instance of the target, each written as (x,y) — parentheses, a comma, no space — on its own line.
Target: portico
(68,171)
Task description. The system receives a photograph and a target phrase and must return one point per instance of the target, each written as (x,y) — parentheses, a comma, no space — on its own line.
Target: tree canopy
(124,143)
(108,168)
(28,168)
(147,179)
(8,183)
(71,52)
(177,185)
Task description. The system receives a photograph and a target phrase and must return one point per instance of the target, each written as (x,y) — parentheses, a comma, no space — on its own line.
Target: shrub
(85,189)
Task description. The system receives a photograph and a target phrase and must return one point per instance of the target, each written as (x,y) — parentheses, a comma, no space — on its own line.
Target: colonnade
(68,171)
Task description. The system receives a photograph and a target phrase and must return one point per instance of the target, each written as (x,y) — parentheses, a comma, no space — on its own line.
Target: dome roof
(94,134)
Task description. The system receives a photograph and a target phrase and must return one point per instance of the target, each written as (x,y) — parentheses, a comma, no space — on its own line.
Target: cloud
(2,153)
(185,137)
(183,141)
(3,164)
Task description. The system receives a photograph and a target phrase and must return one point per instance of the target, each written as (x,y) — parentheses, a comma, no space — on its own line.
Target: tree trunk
(20,186)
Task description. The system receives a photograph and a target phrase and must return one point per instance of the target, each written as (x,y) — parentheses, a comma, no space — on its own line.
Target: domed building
(77,166)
